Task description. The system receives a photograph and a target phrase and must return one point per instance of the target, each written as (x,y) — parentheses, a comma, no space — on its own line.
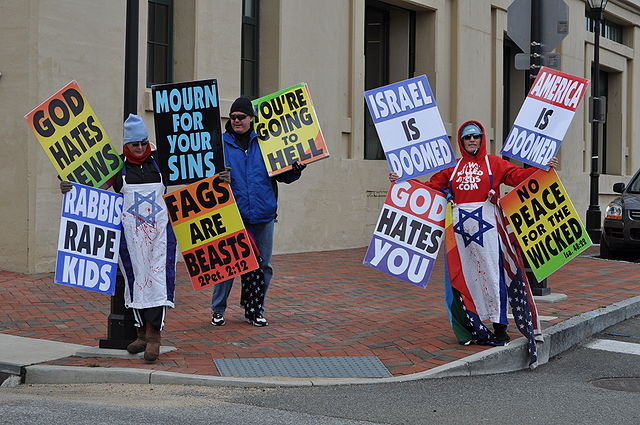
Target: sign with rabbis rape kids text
(545,223)
(210,232)
(89,239)
(544,118)
(73,138)
(288,129)
(408,233)
(410,128)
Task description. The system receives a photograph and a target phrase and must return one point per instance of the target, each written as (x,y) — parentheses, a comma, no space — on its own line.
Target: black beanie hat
(242,104)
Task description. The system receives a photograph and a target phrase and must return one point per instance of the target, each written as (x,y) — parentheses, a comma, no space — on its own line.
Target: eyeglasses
(240,117)
(471,136)
(139,144)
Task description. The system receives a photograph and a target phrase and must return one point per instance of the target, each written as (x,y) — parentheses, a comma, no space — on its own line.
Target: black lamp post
(597,117)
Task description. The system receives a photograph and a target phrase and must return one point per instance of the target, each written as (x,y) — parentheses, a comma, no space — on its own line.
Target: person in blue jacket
(256,195)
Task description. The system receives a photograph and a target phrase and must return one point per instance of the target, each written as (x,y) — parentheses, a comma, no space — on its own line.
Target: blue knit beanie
(470,129)
(134,130)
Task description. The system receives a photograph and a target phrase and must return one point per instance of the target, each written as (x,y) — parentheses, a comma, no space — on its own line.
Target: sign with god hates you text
(210,232)
(89,239)
(545,223)
(73,138)
(544,118)
(409,232)
(188,132)
(410,128)
(288,129)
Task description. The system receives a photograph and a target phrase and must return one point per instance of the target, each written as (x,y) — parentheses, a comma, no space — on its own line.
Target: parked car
(620,236)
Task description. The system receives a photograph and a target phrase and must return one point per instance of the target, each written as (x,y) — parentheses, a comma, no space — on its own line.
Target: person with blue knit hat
(147,245)
(483,265)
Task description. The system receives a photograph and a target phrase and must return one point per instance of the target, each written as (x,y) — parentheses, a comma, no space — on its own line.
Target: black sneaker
(217,319)
(257,321)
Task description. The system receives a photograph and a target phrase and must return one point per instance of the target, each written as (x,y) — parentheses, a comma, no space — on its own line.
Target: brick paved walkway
(319,304)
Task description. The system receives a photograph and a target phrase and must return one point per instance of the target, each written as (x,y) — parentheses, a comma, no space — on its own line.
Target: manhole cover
(630,385)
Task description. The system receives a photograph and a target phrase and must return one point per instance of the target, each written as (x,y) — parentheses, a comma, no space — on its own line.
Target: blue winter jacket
(255,192)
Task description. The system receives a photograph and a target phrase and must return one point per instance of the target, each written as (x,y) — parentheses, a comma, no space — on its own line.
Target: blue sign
(89,239)
(410,128)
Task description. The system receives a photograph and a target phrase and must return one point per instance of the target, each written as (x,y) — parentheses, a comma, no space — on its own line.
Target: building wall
(459,46)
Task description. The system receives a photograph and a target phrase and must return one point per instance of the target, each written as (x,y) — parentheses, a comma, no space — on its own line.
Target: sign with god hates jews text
(188,133)
(89,239)
(408,233)
(210,232)
(288,129)
(410,128)
(73,138)
(545,223)
(544,118)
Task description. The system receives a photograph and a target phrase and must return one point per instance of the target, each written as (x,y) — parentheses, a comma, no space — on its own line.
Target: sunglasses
(139,144)
(240,117)
(472,136)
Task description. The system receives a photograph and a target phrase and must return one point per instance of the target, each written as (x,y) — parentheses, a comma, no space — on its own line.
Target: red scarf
(136,159)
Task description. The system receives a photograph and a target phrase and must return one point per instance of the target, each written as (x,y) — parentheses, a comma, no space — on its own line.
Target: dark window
(608,29)
(159,42)
(383,23)
(249,55)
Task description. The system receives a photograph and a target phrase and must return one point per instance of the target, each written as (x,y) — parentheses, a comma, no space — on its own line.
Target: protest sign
(410,128)
(188,132)
(89,239)
(73,138)
(544,118)
(545,223)
(288,129)
(210,232)
(408,233)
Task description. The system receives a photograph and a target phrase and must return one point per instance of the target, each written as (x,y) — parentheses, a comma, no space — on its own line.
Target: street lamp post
(597,117)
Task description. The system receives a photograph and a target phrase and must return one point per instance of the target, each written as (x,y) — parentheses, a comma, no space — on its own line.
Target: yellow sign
(288,129)
(73,138)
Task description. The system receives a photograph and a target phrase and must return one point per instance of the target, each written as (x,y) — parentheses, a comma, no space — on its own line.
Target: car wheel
(605,249)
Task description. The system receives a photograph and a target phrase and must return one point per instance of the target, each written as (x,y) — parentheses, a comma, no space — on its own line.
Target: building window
(159,42)
(608,29)
(249,55)
(389,48)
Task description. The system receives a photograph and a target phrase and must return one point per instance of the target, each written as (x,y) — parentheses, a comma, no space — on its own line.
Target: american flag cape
(463,315)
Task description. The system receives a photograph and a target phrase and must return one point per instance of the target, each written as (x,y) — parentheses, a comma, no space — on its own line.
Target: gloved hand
(297,167)
(65,186)
(225,175)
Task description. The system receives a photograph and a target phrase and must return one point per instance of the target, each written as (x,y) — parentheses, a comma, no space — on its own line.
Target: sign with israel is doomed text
(410,128)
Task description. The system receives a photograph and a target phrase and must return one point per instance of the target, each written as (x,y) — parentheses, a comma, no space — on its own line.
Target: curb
(510,358)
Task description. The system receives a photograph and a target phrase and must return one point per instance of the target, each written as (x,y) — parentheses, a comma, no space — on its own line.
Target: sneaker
(217,319)
(257,321)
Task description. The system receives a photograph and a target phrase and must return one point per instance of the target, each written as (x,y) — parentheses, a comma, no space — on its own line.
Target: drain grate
(304,367)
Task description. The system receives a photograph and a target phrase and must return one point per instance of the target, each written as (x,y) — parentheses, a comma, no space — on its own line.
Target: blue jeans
(263,235)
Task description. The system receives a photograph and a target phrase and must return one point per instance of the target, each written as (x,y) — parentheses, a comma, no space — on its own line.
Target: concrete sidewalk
(322,307)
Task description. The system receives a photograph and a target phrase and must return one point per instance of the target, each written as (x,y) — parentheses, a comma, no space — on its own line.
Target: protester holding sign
(148,244)
(256,197)
(482,262)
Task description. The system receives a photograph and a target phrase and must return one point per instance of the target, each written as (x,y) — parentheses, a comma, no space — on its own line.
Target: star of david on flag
(142,204)
(483,226)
